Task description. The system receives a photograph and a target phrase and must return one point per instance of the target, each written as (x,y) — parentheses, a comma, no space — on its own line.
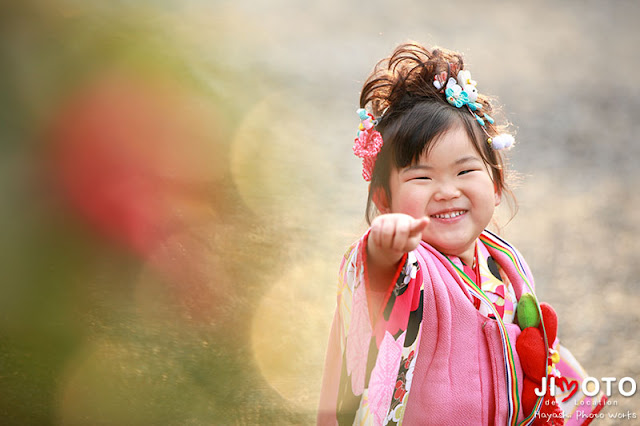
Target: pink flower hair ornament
(367,143)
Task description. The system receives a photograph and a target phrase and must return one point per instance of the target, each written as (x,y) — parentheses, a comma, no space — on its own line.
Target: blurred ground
(178,188)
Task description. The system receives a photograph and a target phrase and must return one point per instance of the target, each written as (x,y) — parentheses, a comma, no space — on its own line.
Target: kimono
(432,356)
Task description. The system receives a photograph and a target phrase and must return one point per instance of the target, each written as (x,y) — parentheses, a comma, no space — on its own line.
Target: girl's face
(452,187)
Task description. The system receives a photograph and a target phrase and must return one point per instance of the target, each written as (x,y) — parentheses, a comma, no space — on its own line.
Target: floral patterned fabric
(374,386)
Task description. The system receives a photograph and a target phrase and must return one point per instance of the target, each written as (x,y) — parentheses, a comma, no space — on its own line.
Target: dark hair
(413,114)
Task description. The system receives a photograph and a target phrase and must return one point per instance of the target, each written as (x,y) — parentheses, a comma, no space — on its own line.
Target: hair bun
(410,72)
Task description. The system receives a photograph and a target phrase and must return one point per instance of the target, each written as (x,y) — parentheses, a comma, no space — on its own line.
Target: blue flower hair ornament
(463,93)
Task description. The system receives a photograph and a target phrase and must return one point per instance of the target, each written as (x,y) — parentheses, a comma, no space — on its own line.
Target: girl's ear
(497,192)
(381,200)
(497,195)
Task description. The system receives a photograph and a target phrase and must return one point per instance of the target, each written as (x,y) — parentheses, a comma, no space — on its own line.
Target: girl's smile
(453,188)
(447,215)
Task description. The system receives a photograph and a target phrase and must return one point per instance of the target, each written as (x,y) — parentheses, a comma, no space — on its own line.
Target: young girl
(437,322)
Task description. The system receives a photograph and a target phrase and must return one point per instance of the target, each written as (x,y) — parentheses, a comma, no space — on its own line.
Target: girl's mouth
(449,215)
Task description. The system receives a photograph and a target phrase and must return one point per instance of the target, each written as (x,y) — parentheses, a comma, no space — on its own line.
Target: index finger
(418,225)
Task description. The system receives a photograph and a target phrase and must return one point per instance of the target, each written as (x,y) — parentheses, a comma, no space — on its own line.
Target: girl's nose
(446,191)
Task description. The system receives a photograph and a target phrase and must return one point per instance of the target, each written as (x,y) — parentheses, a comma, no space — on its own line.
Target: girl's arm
(392,235)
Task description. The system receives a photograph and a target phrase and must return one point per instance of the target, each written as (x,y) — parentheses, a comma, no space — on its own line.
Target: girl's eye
(422,178)
(464,172)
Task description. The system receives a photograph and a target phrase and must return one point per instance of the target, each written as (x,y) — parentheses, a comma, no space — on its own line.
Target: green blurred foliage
(75,345)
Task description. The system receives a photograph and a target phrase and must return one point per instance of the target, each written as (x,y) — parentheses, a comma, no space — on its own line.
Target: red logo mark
(567,385)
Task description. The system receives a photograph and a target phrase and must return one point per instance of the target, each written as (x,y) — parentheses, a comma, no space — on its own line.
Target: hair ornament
(367,143)
(439,80)
(462,92)
(455,95)
(502,141)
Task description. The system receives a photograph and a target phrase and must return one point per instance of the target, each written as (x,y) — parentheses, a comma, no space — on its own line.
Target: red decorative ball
(533,357)
(529,396)
(550,322)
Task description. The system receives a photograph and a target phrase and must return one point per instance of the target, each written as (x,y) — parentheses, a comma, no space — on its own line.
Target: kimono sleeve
(579,409)
(348,277)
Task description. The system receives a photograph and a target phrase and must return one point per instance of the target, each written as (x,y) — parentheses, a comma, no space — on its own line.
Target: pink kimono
(431,356)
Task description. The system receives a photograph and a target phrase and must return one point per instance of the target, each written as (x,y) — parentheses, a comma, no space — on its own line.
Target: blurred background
(177,188)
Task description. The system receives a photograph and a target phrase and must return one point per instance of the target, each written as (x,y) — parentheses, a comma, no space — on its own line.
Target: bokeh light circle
(289,331)
(277,160)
